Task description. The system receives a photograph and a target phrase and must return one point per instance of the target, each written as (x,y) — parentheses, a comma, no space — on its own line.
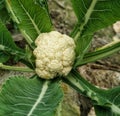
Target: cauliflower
(55,54)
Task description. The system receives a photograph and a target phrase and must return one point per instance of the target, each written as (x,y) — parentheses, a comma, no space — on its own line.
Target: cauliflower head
(55,54)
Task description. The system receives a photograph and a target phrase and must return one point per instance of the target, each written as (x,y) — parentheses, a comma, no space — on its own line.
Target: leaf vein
(34,24)
(42,93)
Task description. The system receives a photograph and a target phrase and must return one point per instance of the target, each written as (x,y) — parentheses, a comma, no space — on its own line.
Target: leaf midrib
(12,12)
(6,48)
(33,22)
(113,106)
(41,96)
(87,16)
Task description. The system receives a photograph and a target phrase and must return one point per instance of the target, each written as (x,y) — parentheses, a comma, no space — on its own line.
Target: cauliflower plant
(55,54)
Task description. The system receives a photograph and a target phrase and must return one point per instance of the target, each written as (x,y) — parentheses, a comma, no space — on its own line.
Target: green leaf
(103,111)
(4,16)
(92,15)
(113,96)
(31,18)
(82,48)
(7,45)
(108,99)
(1,4)
(4,57)
(42,3)
(29,97)
(100,53)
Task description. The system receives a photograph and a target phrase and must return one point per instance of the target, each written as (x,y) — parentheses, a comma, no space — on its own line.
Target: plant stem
(23,69)
(59,110)
(84,87)
(99,54)
(75,34)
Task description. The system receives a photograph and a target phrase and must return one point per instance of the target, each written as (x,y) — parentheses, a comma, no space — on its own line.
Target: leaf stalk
(23,69)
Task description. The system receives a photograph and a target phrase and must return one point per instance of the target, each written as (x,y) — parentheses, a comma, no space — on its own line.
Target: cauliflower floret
(55,54)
